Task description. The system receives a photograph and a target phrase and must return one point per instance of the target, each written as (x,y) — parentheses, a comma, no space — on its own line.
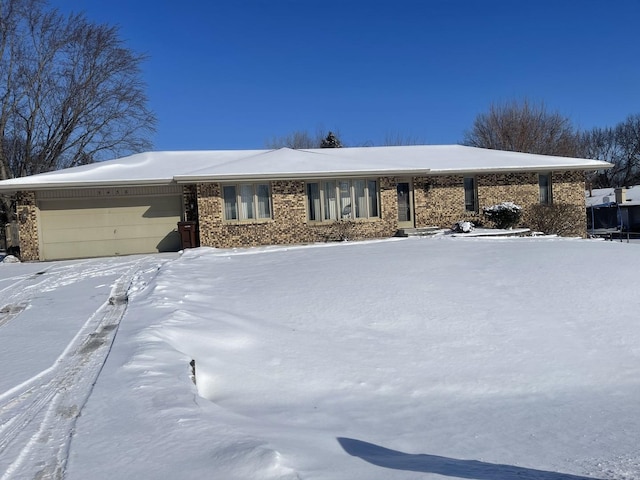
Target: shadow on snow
(452,467)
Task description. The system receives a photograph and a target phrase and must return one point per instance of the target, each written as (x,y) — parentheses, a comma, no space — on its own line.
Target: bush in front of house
(503,215)
(463,227)
(556,219)
(338,231)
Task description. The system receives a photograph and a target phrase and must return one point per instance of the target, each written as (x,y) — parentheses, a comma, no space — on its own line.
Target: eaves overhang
(535,168)
(231,177)
(10,187)
(24,187)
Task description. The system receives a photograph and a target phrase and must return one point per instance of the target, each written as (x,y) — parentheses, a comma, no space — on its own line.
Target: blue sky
(233,74)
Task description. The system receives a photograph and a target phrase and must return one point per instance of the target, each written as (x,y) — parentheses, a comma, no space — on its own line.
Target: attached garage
(106,222)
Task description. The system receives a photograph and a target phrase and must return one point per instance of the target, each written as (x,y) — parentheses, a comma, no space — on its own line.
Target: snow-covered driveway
(44,391)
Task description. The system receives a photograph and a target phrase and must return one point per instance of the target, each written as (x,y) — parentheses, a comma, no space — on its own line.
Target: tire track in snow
(37,418)
(14,298)
(9,311)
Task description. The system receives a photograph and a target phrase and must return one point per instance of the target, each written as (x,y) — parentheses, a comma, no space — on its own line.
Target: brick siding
(289,221)
(28,225)
(438,200)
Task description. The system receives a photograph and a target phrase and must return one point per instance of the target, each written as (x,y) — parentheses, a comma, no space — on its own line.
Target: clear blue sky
(235,73)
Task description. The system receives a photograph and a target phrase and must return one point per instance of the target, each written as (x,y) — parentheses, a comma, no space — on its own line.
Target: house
(613,209)
(238,198)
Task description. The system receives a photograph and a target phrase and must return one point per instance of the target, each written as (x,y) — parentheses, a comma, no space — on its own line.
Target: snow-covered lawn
(474,358)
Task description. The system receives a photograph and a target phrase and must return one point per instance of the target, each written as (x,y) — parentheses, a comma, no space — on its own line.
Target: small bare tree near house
(521,126)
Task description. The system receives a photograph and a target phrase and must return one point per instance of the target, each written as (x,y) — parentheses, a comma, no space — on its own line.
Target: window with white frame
(470,194)
(331,200)
(544,183)
(247,201)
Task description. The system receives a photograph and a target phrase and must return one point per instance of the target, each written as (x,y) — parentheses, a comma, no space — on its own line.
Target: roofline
(87,184)
(538,168)
(180,179)
(185,179)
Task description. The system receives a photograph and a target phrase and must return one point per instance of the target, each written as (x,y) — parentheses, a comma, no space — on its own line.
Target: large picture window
(247,201)
(332,200)
(544,182)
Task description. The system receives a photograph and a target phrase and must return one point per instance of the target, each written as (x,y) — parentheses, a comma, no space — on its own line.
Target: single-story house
(613,209)
(263,197)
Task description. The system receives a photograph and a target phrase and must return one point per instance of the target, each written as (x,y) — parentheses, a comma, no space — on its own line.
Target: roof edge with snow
(182,179)
(166,168)
(70,184)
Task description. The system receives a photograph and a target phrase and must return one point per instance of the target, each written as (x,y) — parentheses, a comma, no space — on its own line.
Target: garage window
(247,201)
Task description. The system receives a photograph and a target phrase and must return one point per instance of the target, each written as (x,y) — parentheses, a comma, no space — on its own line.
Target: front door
(405,205)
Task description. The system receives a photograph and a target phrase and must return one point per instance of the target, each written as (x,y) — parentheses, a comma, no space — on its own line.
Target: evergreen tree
(331,142)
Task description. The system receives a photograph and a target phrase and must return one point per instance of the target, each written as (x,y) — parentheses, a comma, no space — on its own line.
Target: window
(470,194)
(334,200)
(544,182)
(247,201)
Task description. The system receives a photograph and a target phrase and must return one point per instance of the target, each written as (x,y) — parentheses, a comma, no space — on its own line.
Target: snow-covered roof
(160,168)
(607,196)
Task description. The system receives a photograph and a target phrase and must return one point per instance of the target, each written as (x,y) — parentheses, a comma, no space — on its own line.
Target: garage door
(94,227)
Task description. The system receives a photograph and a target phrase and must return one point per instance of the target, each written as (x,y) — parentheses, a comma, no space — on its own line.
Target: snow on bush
(503,215)
(463,227)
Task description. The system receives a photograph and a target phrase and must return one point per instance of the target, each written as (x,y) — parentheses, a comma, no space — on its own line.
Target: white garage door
(94,227)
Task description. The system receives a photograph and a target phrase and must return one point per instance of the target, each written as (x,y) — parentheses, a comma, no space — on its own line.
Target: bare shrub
(556,219)
(339,231)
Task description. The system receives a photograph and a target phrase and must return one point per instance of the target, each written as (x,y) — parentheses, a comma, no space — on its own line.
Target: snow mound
(250,459)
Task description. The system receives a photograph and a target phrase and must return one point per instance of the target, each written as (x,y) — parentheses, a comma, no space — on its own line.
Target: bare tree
(70,91)
(520,126)
(300,139)
(600,144)
(619,145)
(628,141)
(392,139)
